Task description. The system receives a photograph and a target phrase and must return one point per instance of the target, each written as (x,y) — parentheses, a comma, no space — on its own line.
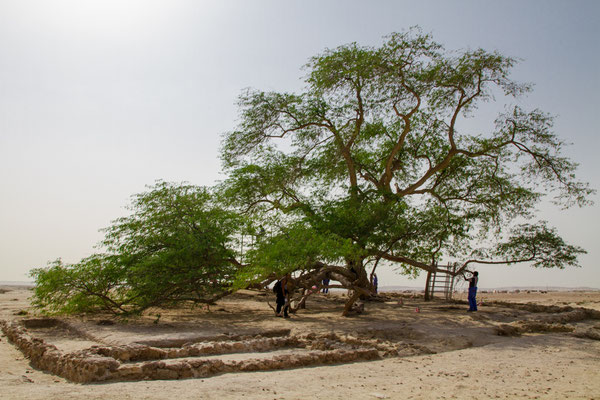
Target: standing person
(473,290)
(375,282)
(326,285)
(283,296)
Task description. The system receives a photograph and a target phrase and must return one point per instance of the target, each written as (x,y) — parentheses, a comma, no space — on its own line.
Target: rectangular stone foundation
(142,362)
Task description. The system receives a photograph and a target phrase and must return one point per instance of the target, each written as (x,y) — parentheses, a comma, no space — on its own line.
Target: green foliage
(176,245)
(296,249)
(369,163)
(540,245)
(371,160)
(93,283)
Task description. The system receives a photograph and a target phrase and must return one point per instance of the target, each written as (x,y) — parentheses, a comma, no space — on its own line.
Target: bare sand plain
(513,347)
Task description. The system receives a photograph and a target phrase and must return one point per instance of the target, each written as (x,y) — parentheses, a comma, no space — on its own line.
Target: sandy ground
(573,299)
(461,356)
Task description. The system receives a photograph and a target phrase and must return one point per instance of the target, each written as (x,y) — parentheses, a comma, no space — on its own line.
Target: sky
(100,98)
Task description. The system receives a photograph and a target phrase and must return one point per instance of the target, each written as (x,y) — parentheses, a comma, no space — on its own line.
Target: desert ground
(518,345)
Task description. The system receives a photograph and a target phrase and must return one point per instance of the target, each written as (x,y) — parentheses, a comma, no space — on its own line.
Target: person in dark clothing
(473,290)
(283,296)
(326,285)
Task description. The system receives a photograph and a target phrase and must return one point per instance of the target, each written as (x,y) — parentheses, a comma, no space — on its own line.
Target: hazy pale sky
(100,98)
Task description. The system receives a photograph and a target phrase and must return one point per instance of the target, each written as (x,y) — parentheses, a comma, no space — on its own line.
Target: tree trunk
(361,281)
(350,303)
(302,304)
(427,284)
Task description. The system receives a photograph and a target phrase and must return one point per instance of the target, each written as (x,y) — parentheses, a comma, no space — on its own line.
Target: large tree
(373,161)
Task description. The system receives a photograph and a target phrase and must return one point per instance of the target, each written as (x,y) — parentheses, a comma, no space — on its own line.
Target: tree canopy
(371,162)
(175,246)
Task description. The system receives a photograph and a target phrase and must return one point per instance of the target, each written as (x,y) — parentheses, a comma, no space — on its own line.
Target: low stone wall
(164,343)
(573,315)
(386,348)
(138,352)
(589,333)
(202,368)
(555,321)
(567,312)
(140,362)
(78,366)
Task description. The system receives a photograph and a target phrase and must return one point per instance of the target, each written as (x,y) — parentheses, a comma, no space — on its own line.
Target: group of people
(282,289)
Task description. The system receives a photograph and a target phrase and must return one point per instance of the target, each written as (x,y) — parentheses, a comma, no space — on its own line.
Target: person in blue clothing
(326,285)
(472,290)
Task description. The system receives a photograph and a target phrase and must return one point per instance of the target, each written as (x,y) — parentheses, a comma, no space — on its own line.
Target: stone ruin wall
(166,359)
(141,362)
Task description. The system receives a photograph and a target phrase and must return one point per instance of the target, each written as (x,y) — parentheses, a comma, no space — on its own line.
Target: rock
(379,395)
(129,372)
(165,374)
(590,333)
(507,330)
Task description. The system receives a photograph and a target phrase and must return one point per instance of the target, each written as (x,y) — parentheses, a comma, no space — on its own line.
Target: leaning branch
(474,261)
